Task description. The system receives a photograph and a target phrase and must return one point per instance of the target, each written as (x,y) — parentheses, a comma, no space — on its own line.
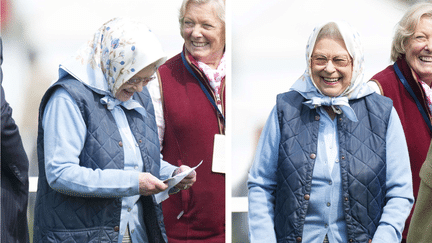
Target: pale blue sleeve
(399,193)
(166,169)
(262,183)
(64,136)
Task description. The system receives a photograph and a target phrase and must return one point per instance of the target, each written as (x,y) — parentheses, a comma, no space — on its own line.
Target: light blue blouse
(64,137)
(325,215)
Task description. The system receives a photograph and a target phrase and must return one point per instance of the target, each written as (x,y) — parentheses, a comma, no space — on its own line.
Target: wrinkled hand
(188,181)
(149,184)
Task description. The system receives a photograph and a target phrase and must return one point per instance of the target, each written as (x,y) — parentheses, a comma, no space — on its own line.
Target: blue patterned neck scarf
(118,50)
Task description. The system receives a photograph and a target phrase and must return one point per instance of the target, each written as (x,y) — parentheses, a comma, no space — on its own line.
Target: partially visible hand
(188,181)
(149,184)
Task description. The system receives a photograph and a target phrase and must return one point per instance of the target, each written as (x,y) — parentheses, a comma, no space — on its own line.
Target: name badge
(218,164)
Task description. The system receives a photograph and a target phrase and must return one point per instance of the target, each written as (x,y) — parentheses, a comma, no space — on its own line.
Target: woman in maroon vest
(190,108)
(408,83)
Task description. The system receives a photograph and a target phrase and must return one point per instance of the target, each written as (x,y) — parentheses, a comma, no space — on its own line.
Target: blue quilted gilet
(63,217)
(362,149)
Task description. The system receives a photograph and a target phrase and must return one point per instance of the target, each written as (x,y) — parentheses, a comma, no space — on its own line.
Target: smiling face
(331,80)
(126,90)
(419,50)
(204,33)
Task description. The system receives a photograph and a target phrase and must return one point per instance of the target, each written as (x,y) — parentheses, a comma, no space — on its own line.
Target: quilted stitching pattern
(362,145)
(93,218)
(295,166)
(91,236)
(366,172)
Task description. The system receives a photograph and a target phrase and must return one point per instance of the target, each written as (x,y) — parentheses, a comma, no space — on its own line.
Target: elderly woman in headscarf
(332,163)
(190,111)
(99,158)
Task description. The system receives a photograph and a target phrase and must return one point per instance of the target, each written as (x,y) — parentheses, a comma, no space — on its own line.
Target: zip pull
(218,102)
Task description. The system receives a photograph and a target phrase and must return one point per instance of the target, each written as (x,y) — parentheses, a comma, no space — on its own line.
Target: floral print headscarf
(358,87)
(118,50)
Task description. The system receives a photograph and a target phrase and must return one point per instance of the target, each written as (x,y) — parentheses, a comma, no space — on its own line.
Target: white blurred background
(266,40)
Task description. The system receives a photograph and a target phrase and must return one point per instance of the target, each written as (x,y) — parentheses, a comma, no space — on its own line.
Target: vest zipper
(215,96)
(219,102)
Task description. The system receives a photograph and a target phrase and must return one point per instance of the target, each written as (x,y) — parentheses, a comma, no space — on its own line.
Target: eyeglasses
(338,61)
(138,80)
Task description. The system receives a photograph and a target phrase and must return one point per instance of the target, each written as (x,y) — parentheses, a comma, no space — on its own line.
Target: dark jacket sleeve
(14,178)
(13,157)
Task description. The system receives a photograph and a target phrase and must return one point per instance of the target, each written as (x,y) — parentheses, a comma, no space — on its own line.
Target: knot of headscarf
(338,104)
(131,104)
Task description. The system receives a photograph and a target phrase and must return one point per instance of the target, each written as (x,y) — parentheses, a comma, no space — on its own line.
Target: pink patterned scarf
(215,76)
(428,91)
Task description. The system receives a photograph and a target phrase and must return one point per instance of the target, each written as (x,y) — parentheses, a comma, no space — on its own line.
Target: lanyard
(411,92)
(209,97)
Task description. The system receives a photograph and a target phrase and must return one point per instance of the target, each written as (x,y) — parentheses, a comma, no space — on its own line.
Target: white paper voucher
(172,181)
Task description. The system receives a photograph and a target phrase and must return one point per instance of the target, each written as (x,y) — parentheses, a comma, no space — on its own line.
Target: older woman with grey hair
(331,164)
(408,83)
(189,99)
(99,158)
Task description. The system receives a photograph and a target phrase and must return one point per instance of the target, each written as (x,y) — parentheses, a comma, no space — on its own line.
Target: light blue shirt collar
(130,104)
(304,86)
(339,105)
